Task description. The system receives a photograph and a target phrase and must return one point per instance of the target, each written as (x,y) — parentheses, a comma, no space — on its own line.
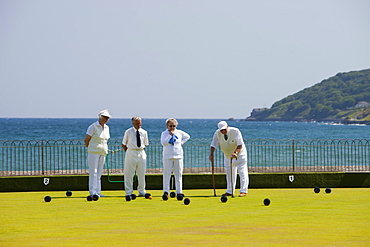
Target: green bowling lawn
(295,217)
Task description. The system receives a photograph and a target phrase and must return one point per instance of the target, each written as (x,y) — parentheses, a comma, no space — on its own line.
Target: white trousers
(241,168)
(135,160)
(177,165)
(96,164)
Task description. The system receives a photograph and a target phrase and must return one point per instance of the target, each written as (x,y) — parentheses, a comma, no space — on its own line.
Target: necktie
(138,141)
(225,136)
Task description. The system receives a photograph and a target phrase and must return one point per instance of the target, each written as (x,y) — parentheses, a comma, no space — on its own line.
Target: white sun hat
(105,113)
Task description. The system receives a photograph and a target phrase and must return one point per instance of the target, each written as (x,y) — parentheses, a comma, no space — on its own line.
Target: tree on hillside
(326,99)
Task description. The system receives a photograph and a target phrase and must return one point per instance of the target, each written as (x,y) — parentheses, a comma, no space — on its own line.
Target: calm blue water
(62,129)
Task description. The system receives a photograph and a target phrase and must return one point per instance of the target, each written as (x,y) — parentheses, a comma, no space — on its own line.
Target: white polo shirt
(129,138)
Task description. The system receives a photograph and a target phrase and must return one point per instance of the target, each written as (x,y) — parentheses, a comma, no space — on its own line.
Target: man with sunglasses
(231,142)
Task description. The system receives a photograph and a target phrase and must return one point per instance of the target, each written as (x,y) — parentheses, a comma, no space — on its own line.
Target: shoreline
(336,121)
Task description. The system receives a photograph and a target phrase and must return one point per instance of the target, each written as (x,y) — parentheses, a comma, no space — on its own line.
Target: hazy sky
(182,59)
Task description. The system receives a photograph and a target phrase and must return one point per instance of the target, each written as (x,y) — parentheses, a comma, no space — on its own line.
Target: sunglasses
(171,126)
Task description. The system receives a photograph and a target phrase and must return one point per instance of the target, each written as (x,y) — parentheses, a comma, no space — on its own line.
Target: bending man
(231,142)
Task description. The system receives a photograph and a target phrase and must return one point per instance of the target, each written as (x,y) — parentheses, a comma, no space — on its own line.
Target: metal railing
(63,157)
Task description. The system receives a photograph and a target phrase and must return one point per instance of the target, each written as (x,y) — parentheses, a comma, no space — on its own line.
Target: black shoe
(227,194)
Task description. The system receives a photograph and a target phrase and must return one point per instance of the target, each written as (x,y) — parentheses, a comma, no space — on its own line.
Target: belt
(136,149)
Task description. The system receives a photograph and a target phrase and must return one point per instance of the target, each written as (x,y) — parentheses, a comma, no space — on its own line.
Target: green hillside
(342,97)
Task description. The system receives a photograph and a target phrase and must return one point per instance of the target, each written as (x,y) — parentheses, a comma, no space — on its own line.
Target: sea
(75,129)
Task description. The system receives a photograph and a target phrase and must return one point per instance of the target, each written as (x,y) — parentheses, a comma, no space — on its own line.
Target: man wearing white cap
(231,142)
(96,141)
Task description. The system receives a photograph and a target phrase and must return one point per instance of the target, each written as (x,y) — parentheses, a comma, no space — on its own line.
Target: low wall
(190,181)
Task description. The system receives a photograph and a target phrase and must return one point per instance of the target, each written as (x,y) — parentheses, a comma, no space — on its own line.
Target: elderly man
(232,145)
(97,136)
(134,142)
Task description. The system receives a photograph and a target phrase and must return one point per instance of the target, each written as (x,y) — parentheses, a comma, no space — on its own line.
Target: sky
(171,58)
